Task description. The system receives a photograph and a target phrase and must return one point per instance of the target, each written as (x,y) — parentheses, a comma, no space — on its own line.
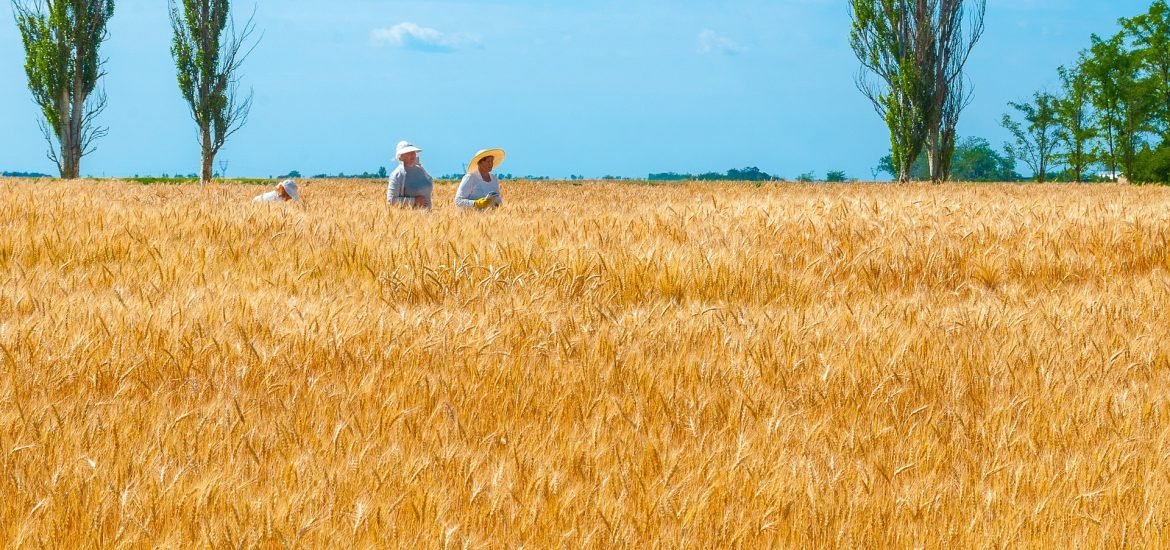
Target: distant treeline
(381,173)
(750,173)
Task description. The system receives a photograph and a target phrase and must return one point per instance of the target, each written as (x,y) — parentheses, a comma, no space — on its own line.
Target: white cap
(403,148)
(290,187)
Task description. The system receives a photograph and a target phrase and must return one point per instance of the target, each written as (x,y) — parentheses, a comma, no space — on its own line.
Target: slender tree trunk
(903,161)
(208,156)
(947,155)
(64,136)
(1129,147)
(204,98)
(1042,153)
(1079,168)
(76,115)
(938,156)
(932,157)
(1164,71)
(1166,99)
(1109,142)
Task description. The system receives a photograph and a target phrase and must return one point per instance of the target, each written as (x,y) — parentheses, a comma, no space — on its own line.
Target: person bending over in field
(480,189)
(285,191)
(410,184)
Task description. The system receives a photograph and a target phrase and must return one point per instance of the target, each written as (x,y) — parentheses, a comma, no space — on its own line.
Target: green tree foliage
(1114,103)
(24,175)
(958,26)
(1074,120)
(1150,35)
(917,49)
(62,41)
(751,173)
(1037,137)
(974,160)
(1153,165)
(208,53)
(1104,94)
(919,169)
(883,38)
(1122,100)
(836,176)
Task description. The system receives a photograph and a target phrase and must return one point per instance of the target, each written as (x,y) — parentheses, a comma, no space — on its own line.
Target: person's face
(410,159)
(486,164)
(283,194)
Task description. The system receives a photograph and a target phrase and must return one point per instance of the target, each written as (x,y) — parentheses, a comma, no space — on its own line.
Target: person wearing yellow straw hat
(410,184)
(480,189)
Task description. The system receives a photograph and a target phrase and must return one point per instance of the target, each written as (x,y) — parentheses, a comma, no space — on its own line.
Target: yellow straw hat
(497,153)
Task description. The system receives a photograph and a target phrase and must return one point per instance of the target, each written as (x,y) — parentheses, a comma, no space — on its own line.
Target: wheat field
(593,366)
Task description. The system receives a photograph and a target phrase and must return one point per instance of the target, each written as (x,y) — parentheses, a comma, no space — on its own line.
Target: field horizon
(596,364)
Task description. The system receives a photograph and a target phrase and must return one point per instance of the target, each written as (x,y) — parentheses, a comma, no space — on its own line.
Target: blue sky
(590,87)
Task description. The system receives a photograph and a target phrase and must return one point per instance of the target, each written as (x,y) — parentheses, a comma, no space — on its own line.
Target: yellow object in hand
(483,203)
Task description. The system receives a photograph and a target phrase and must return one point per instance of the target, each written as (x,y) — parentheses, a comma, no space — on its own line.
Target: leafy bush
(1152,165)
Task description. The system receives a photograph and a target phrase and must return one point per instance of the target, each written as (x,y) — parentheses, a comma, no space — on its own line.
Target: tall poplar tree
(1150,33)
(1074,116)
(883,37)
(1037,136)
(918,50)
(62,41)
(1123,100)
(209,51)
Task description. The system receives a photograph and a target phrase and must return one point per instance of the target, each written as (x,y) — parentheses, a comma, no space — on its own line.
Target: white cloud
(711,42)
(423,39)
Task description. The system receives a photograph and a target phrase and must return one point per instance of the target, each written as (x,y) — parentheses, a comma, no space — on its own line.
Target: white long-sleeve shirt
(271,196)
(473,187)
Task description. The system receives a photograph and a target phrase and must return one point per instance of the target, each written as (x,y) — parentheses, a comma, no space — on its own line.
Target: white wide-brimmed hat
(403,148)
(290,187)
(498,154)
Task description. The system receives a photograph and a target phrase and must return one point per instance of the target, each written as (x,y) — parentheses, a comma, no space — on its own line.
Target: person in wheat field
(410,184)
(285,191)
(480,189)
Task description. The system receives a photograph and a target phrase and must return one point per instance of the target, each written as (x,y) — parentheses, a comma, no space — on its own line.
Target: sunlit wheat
(696,366)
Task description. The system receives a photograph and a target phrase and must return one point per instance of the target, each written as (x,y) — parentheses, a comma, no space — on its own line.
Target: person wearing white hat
(285,191)
(410,184)
(479,188)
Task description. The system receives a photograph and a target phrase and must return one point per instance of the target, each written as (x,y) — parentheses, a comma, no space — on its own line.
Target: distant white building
(1112,176)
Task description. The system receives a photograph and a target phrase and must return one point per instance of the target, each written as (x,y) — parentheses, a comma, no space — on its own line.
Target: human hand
(483,203)
(422,202)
